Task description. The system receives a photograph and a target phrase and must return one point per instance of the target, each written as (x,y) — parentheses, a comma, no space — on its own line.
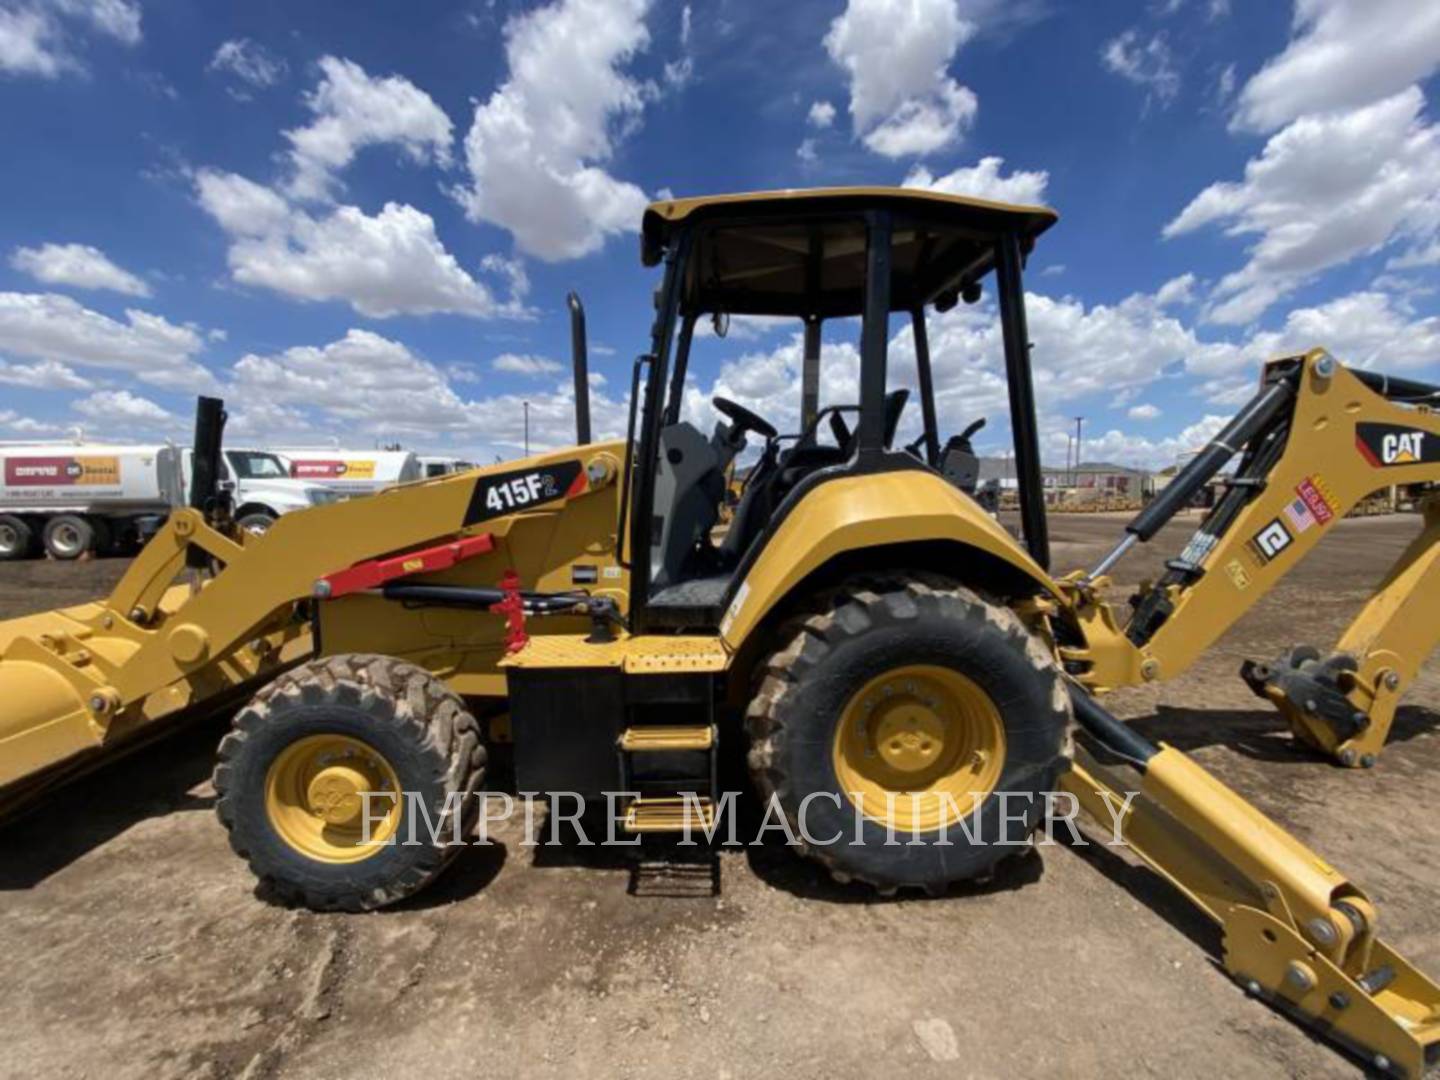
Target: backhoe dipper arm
(1315,440)
(1295,931)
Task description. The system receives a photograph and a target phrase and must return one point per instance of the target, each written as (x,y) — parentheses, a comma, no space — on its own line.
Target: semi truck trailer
(66,499)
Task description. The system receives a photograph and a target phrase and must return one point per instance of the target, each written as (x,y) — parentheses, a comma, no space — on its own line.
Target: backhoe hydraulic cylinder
(1397,389)
(1115,735)
(1257,414)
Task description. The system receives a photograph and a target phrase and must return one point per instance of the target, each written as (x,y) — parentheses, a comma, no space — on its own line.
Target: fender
(856,513)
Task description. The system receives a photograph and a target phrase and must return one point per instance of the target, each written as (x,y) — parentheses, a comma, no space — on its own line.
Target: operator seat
(689,484)
(771,480)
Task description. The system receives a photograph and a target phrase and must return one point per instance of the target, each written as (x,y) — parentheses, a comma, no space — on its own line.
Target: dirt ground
(132,943)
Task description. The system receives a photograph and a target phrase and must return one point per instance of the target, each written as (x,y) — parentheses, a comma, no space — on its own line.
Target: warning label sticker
(1317,499)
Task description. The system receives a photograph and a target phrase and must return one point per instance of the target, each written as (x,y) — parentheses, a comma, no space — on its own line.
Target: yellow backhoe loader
(897,663)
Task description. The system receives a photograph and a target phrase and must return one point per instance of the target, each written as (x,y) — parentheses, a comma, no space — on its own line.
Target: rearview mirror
(721,322)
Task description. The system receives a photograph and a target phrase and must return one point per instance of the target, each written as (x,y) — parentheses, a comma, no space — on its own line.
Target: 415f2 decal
(523,489)
(1383,445)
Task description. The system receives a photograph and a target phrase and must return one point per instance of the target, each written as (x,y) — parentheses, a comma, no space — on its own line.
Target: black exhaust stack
(582,368)
(206,495)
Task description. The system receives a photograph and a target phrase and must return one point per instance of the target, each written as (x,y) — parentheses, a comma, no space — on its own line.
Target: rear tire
(361,715)
(910,684)
(17,538)
(68,536)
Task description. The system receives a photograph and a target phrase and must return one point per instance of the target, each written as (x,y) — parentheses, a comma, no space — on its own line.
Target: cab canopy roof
(802,252)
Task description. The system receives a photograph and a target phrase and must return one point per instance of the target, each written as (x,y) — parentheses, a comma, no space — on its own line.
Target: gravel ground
(134,945)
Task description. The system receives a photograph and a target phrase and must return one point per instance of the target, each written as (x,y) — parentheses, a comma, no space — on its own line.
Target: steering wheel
(743,418)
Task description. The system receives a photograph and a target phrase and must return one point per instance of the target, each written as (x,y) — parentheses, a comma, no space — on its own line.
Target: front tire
(290,774)
(915,686)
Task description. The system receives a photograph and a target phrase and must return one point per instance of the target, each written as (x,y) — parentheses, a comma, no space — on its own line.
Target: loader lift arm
(1314,441)
(87,678)
(1295,931)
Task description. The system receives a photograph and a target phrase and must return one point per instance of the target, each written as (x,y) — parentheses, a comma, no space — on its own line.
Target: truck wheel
(900,712)
(256,522)
(68,536)
(292,776)
(17,538)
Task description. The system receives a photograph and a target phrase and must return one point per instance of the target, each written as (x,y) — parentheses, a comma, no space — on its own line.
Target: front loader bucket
(75,684)
(47,666)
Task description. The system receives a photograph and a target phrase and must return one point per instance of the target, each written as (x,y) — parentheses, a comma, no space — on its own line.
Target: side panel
(564,542)
(565,723)
(860,512)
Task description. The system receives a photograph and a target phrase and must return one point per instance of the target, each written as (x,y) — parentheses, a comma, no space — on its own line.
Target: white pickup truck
(70,498)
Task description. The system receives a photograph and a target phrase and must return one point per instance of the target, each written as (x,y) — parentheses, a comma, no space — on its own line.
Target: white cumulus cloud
(537,147)
(903,101)
(43,375)
(522,364)
(385,264)
(821,114)
(123,407)
(1327,188)
(40,38)
(366,387)
(353,110)
(51,327)
(80,265)
(1146,62)
(983,180)
(252,66)
(1344,54)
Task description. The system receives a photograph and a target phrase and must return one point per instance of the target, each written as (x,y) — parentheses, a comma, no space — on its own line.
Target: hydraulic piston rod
(1255,417)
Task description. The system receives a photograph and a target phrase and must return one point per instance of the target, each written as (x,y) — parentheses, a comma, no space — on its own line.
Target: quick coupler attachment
(1313,693)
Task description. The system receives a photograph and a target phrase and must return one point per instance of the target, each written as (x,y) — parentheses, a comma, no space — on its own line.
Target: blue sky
(359,220)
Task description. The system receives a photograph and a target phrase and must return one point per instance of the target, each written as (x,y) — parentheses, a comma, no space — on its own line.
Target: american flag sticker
(1299,515)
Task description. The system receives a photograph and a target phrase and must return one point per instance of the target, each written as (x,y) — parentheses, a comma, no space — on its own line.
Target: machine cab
(848,256)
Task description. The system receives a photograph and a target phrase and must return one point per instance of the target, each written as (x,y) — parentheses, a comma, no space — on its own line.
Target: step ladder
(673,771)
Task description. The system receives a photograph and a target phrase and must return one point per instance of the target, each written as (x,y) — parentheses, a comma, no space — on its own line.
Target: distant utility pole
(1079,443)
(1069,458)
(527,429)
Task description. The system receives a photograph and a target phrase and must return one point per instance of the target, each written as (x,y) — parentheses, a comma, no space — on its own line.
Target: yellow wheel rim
(919,747)
(314,798)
